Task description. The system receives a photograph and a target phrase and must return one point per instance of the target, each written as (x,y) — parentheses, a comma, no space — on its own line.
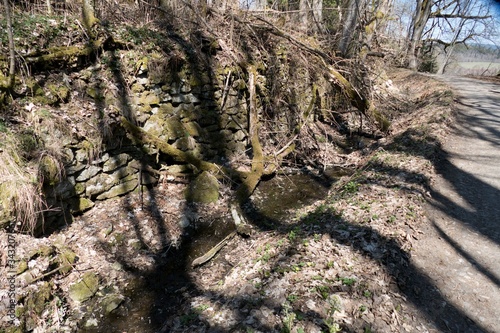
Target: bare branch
(461,16)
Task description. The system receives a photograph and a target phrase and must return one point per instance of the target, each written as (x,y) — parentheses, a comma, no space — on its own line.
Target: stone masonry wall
(194,114)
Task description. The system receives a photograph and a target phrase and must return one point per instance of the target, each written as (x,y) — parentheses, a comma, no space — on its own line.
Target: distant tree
(419,20)
(317,14)
(464,21)
(376,15)
(448,23)
(303,11)
(362,21)
(350,15)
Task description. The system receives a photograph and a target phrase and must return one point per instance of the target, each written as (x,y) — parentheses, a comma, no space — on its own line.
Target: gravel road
(460,250)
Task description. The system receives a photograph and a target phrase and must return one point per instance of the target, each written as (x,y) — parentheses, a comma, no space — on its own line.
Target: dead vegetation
(337,264)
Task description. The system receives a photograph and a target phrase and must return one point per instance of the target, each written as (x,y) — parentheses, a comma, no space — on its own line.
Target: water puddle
(275,199)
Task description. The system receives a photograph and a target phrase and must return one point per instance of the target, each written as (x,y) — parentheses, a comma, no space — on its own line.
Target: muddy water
(276,199)
(153,299)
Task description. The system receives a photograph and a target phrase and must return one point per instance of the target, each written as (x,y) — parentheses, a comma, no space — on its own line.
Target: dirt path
(460,254)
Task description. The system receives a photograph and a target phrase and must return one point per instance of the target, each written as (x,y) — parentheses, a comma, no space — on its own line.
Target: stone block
(80,205)
(65,189)
(114,162)
(88,173)
(154,126)
(175,128)
(204,189)
(120,189)
(193,129)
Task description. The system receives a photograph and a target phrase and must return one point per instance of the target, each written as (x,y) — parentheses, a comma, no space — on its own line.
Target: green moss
(111,303)
(166,110)
(79,188)
(137,88)
(36,301)
(149,98)
(60,92)
(142,65)
(42,251)
(80,205)
(22,267)
(192,129)
(204,189)
(175,128)
(66,259)
(49,170)
(85,288)
(95,93)
(35,88)
(28,142)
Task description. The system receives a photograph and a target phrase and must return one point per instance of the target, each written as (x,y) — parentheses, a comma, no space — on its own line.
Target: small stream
(154,297)
(277,198)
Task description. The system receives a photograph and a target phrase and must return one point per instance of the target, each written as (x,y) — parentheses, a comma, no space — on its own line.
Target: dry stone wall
(205,117)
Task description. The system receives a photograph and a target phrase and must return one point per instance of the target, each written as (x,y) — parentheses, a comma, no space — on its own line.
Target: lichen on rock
(85,288)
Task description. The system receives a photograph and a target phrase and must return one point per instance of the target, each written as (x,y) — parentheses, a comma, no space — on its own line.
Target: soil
(459,256)
(404,242)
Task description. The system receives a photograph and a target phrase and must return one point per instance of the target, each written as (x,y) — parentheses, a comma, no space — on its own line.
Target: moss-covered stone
(175,128)
(137,88)
(204,189)
(61,93)
(34,88)
(192,129)
(42,251)
(66,259)
(118,190)
(88,173)
(80,205)
(142,65)
(149,98)
(166,110)
(94,93)
(22,266)
(111,303)
(85,288)
(115,162)
(154,125)
(36,301)
(79,188)
(49,170)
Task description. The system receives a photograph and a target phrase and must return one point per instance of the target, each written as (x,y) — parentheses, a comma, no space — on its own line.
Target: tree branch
(466,17)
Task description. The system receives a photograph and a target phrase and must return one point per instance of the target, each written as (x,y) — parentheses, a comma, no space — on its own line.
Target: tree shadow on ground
(170,287)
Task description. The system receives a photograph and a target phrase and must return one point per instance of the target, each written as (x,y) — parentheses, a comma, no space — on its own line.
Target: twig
(51,272)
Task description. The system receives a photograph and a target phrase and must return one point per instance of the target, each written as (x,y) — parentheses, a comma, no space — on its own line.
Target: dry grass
(20,191)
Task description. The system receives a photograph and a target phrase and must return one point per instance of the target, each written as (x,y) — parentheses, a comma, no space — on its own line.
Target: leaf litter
(336,265)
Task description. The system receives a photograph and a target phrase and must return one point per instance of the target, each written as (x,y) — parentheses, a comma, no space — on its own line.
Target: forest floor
(351,262)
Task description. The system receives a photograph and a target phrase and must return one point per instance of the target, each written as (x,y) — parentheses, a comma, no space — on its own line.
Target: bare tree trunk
(317,11)
(351,17)
(303,9)
(12,53)
(49,7)
(419,21)
(379,15)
